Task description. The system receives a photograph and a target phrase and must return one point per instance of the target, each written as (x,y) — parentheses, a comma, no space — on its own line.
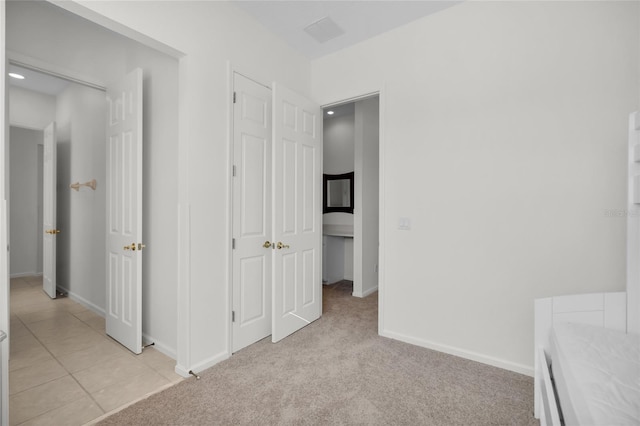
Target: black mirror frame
(325,179)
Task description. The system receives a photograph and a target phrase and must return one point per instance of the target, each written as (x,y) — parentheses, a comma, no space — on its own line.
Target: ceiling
(339,110)
(349,21)
(37,81)
(358,20)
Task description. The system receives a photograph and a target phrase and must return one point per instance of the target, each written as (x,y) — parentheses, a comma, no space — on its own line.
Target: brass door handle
(134,246)
(52,231)
(280,246)
(267,244)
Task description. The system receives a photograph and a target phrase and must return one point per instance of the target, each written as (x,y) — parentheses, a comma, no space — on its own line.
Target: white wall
(81,215)
(209,34)
(4,189)
(504,141)
(349,264)
(75,46)
(366,213)
(338,157)
(29,109)
(338,144)
(25,232)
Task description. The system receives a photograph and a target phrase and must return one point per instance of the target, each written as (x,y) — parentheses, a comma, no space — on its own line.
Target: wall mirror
(337,193)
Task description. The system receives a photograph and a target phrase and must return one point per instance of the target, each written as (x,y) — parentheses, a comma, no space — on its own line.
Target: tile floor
(64,369)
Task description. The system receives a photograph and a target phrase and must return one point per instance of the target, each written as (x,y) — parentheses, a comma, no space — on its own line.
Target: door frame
(4,258)
(183,278)
(184,340)
(353,96)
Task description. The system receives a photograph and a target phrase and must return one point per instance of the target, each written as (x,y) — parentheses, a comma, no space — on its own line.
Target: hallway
(64,369)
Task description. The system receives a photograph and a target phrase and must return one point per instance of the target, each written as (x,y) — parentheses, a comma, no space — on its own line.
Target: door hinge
(234,170)
(233,316)
(234,97)
(233,244)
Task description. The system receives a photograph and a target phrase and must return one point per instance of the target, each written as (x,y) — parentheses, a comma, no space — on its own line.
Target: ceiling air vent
(324,30)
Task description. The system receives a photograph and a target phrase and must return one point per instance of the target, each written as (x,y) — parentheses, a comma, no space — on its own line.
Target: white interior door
(252,252)
(49,229)
(297,222)
(124,211)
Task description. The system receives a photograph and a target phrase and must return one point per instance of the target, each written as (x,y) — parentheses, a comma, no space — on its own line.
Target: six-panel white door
(49,229)
(297,219)
(124,211)
(252,253)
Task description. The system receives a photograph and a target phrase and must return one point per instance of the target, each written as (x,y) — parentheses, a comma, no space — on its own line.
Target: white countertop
(338,230)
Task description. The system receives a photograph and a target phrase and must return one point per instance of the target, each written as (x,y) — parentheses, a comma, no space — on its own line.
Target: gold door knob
(280,246)
(141,246)
(267,244)
(131,247)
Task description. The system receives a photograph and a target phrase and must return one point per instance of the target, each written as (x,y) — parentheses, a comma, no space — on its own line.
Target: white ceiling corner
(358,19)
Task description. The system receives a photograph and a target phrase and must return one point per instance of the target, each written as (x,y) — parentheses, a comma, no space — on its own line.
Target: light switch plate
(404,223)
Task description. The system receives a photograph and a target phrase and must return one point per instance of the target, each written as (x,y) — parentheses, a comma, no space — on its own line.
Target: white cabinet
(337,253)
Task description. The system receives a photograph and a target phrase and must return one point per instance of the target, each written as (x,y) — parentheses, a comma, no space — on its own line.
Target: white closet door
(49,211)
(252,252)
(124,211)
(297,221)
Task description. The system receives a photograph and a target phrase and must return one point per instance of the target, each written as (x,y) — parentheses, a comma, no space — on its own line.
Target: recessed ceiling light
(330,112)
(16,75)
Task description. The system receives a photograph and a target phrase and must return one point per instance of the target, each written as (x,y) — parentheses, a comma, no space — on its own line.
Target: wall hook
(91,184)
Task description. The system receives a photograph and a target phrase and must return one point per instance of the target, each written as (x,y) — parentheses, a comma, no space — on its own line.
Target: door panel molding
(251,260)
(297,180)
(124,207)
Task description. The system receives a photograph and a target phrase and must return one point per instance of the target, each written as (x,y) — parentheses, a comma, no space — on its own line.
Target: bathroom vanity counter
(338,230)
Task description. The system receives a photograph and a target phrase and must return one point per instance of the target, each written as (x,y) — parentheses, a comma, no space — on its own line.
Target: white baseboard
(159,346)
(365,293)
(462,353)
(26,274)
(203,365)
(84,302)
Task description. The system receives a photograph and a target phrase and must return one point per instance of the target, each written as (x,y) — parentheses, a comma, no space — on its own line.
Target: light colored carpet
(339,371)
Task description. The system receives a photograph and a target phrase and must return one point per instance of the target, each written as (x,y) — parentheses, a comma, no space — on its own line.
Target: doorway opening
(257,212)
(351,235)
(78,111)
(82,275)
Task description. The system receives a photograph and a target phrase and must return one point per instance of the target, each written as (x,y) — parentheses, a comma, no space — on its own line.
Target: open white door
(297,222)
(49,211)
(124,211)
(252,252)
